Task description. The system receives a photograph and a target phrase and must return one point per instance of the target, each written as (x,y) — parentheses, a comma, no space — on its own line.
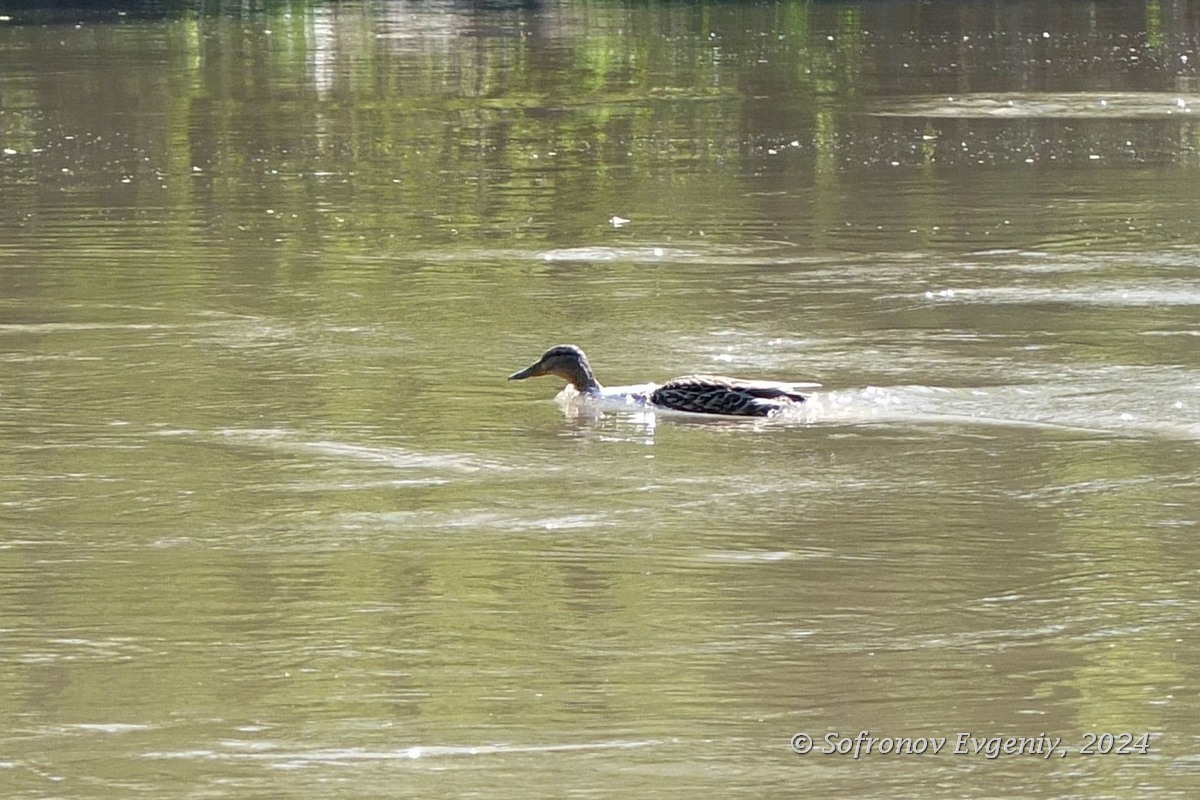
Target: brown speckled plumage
(714,394)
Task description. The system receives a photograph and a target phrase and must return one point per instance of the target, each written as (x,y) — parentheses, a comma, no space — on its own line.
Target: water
(273,523)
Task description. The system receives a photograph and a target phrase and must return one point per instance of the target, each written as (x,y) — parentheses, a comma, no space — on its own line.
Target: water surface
(272,523)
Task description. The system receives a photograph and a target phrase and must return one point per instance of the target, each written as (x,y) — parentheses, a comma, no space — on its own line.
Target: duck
(694,394)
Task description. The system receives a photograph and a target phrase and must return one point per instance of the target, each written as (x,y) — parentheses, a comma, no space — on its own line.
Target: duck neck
(580,376)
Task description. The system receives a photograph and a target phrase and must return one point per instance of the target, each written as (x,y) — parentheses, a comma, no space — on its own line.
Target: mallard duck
(698,394)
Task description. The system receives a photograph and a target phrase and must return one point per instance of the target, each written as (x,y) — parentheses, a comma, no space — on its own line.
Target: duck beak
(532,371)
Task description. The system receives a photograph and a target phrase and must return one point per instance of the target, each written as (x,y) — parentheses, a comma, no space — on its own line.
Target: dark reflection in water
(271,518)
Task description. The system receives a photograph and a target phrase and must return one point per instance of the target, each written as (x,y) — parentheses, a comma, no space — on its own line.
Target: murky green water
(273,524)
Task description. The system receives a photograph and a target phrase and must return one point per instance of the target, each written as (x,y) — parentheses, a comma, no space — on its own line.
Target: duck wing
(713,394)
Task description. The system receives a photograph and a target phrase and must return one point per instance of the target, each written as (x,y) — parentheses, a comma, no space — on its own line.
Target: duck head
(565,361)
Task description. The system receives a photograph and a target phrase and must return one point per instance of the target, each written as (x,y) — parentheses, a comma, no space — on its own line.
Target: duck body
(694,394)
(716,394)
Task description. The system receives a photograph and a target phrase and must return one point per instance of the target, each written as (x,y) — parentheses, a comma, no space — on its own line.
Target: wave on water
(1072,407)
(284,440)
(291,758)
(1046,105)
(1177,293)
